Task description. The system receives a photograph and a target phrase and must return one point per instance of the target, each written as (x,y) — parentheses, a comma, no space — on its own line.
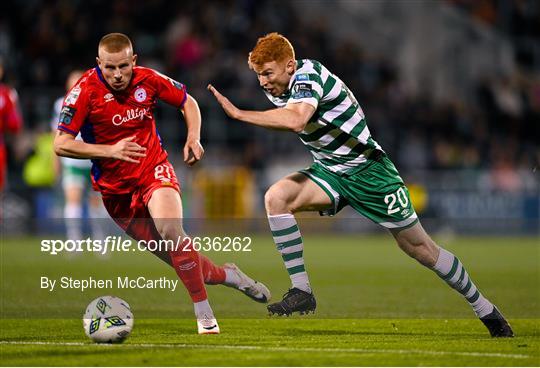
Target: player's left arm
(193,150)
(175,94)
(294,116)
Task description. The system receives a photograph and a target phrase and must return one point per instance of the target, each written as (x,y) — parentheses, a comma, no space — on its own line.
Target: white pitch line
(273,348)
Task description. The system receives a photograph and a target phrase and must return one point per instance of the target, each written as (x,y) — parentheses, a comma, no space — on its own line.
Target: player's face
(117,67)
(274,76)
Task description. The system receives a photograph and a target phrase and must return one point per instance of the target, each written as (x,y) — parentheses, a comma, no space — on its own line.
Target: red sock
(212,273)
(187,265)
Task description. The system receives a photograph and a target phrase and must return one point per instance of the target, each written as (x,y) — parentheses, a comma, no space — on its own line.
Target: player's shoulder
(89,81)
(307,70)
(142,73)
(149,75)
(87,85)
(309,66)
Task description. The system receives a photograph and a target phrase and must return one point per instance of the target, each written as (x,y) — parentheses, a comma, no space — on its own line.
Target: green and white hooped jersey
(337,135)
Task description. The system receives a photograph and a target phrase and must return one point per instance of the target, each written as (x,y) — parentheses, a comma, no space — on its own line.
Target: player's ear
(98,62)
(249,62)
(135,59)
(290,66)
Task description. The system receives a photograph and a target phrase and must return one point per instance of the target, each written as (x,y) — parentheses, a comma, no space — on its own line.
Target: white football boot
(253,289)
(207,325)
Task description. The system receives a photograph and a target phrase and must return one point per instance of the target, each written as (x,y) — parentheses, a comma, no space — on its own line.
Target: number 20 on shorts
(392,201)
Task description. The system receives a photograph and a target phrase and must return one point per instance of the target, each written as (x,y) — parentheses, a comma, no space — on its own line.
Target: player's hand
(193,152)
(231,110)
(127,150)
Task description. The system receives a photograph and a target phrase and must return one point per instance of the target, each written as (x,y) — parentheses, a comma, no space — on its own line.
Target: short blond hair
(271,47)
(115,42)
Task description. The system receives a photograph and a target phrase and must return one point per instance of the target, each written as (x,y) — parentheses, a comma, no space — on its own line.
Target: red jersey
(105,116)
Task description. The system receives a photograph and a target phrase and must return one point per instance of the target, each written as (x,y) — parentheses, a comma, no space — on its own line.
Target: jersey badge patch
(73,96)
(178,85)
(302,90)
(66,115)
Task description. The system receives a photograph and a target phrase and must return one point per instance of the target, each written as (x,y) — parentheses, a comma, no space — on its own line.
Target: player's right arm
(72,117)
(66,145)
(293,117)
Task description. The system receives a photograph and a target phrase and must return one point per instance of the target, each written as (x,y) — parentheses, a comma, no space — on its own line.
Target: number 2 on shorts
(162,172)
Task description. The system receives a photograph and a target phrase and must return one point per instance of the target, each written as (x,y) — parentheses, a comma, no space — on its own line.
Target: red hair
(271,47)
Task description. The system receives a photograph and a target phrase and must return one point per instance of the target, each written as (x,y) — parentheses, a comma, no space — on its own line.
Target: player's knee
(170,230)
(275,201)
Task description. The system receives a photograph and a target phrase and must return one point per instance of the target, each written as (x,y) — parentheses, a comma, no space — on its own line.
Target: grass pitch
(375,307)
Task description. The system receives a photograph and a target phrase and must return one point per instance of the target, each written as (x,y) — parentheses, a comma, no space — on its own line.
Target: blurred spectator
(10,121)
(201,44)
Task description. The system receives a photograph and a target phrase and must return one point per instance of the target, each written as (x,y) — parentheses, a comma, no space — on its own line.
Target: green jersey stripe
(328,85)
(317,66)
(336,143)
(316,134)
(339,103)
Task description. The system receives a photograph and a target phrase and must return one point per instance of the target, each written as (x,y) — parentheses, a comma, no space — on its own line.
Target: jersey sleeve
(74,109)
(170,91)
(306,88)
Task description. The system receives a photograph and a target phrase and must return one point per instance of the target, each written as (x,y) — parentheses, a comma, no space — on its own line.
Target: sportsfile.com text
(114,243)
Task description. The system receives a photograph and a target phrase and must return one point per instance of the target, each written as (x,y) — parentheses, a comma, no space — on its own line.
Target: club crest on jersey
(73,96)
(140,94)
(108,97)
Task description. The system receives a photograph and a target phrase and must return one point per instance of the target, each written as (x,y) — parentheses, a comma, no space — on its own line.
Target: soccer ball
(108,319)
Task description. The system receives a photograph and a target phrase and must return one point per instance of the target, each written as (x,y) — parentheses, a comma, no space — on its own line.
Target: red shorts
(130,211)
